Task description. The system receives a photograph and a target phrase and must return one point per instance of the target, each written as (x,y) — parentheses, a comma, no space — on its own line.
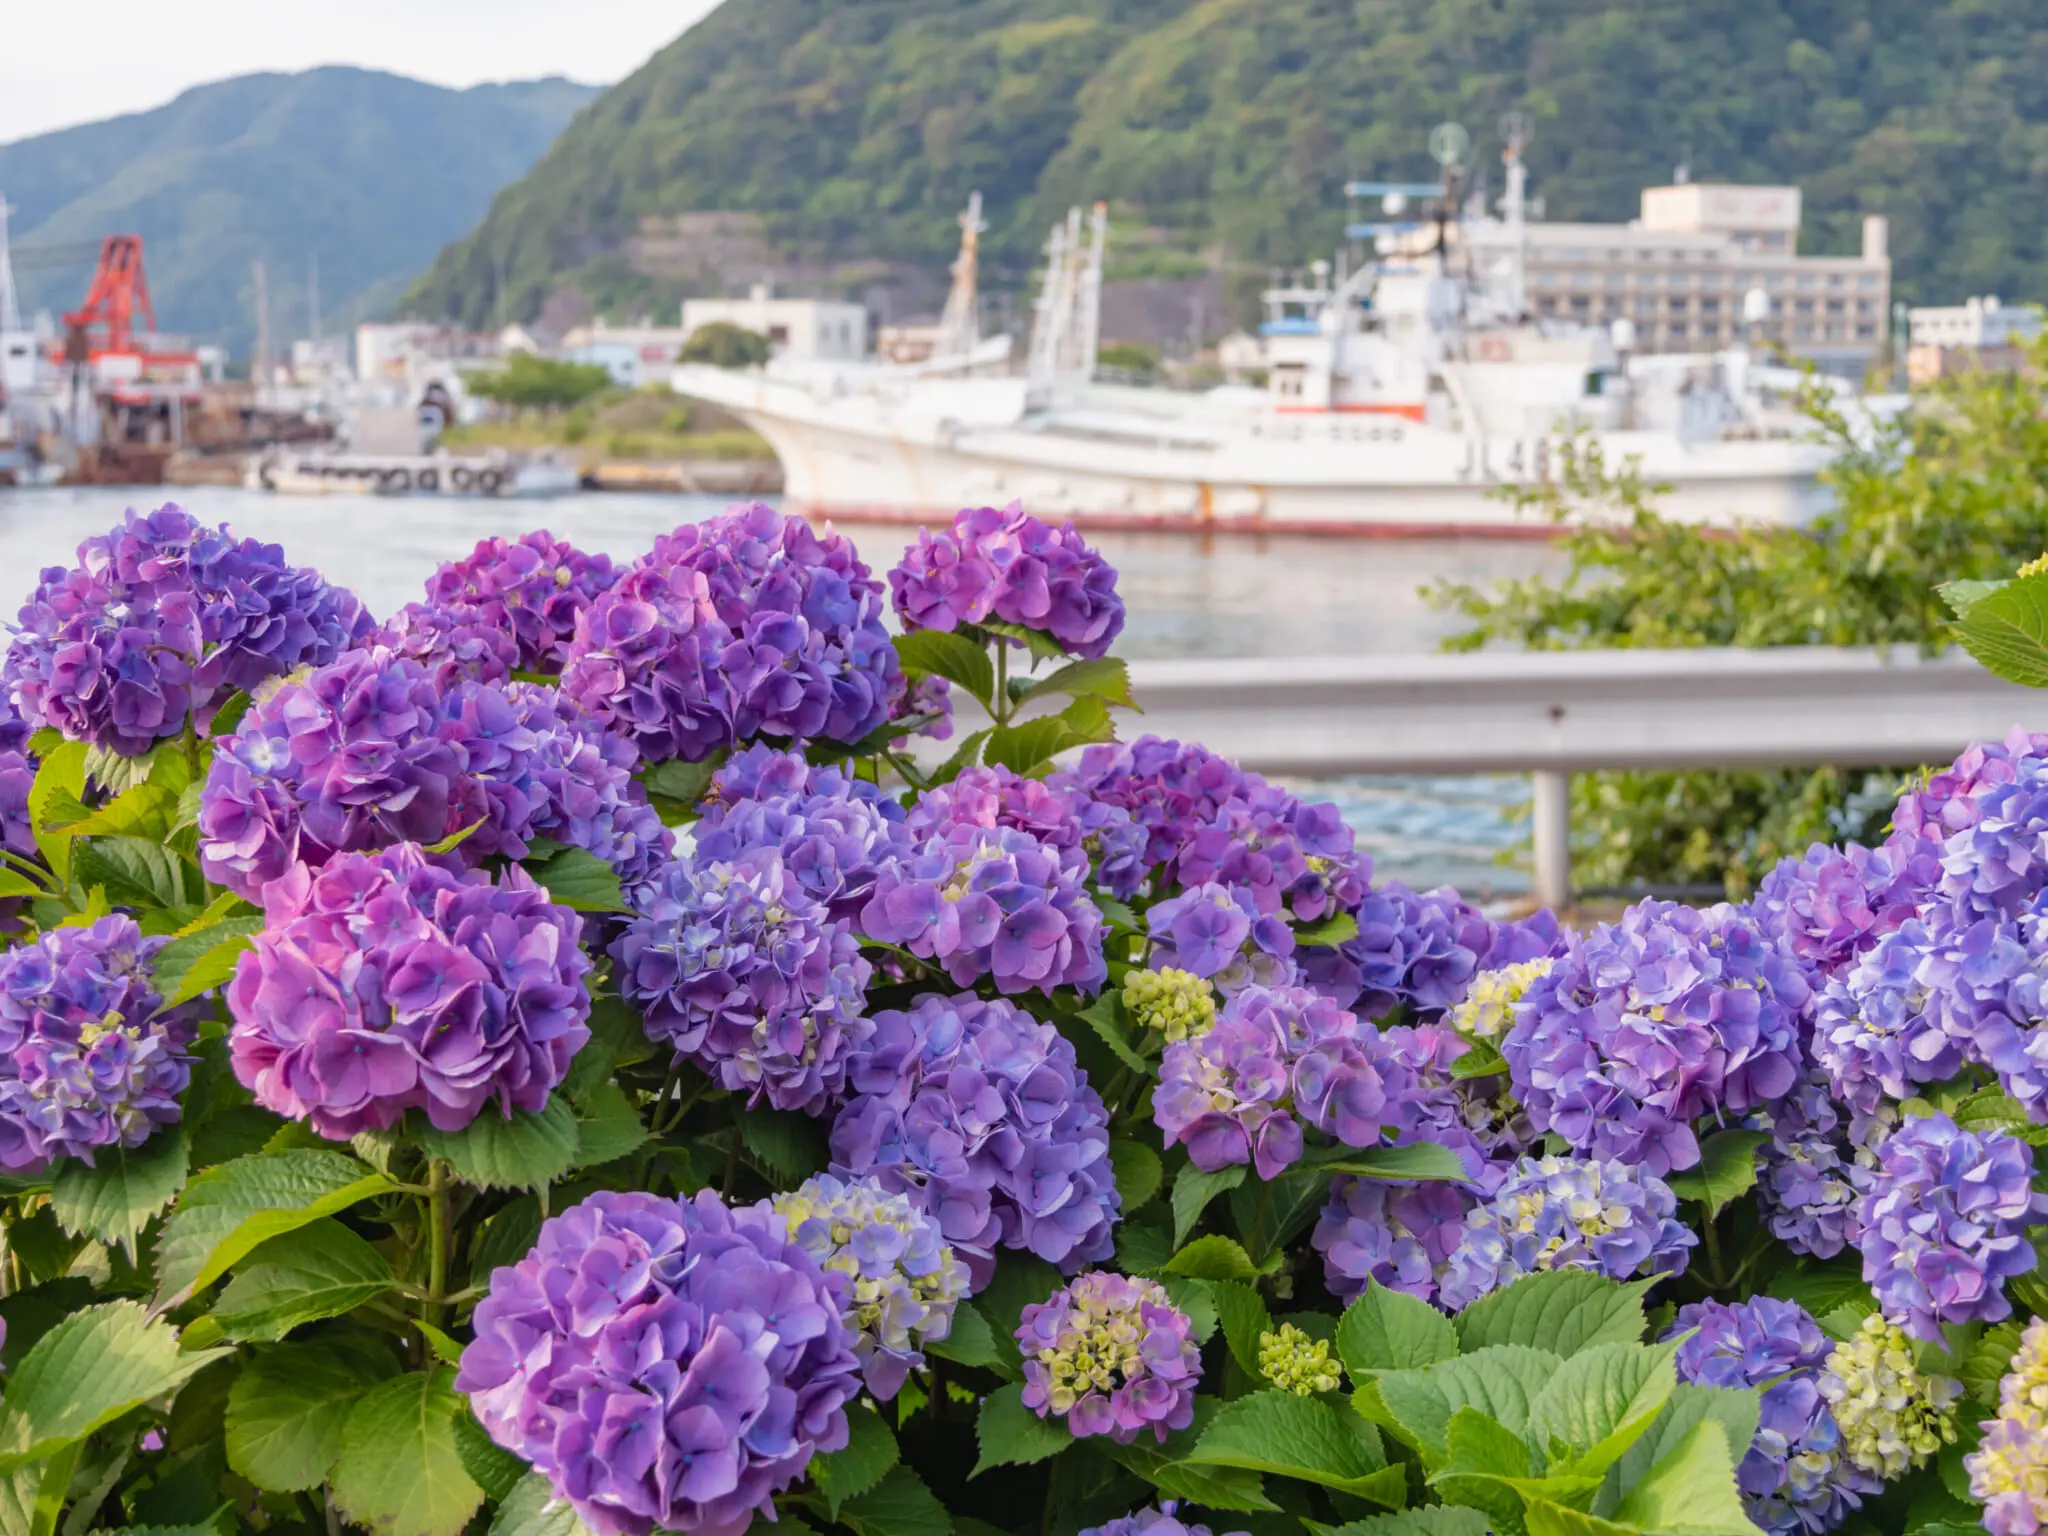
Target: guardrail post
(1551,815)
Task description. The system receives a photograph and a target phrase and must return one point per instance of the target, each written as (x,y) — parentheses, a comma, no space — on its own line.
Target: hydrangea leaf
(1986,1362)
(1107,678)
(1726,1171)
(1193,1190)
(321,1270)
(617,1038)
(1214,1257)
(2007,631)
(1102,1017)
(135,871)
(1824,1285)
(579,880)
(1418,1160)
(532,1509)
(88,1370)
(1691,1492)
(227,1212)
(681,782)
(399,1472)
(969,1341)
(1961,596)
(146,810)
(1543,1518)
(59,781)
(788,1144)
(1244,1316)
(1337,928)
(1019,1281)
(1197,1301)
(1477,1444)
(287,1409)
(870,1452)
(1600,1402)
(1282,1435)
(1561,1310)
(900,1505)
(1388,1330)
(115,1198)
(489,1465)
(607,1126)
(1139,1172)
(1166,1467)
(1501,1381)
(1734,1410)
(1431,1520)
(198,962)
(519,1151)
(1043,646)
(1009,1434)
(953,657)
(1022,748)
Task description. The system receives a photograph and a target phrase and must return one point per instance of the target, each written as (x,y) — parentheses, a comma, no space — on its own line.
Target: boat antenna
(1448,143)
(10,311)
(960,325)
(1516,130)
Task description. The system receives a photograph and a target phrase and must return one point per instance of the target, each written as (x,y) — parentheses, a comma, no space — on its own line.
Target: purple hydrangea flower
(665,1364)
(1058,814)
(834,832)
(1399,1234)
(1476,1117)
(740,970)
(1831,905)
(531,589)
(384,983)
(451,648)
(1567,1213)
(1112,1356)
(1275,1058)
(1944,1224)
(1218,932)
(996,902)
(1294,858)
(1879,1029)
(929,698)
(1013,568)
(1996,866)
(1794,1477)
(1170,790)
(579,777)
(980,1112)
(645,662)
(89,1056)
(1414,950)
(1947,803)
(1160,1520)
(159,621)
(1810,1172)
(1646,1025)
(17,827)
(2009,1468)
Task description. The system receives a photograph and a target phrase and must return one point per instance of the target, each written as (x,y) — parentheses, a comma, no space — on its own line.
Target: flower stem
(1001,706)
(437,1238)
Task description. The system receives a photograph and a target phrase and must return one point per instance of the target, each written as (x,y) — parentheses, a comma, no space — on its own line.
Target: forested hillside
(821,138)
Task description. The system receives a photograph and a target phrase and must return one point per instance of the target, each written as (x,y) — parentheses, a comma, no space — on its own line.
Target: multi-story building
(1682,273)
(808,330)
(1978,334)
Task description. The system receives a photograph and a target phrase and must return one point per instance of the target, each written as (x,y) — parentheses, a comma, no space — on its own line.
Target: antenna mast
(10,311)
(960,326)
(1088,300)
(1516,129)
(1055,300)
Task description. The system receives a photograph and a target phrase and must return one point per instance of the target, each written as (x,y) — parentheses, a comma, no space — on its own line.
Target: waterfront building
(799,330)
(1979,333)
(633,354)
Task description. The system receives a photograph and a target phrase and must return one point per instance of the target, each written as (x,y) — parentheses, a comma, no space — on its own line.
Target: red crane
(118,294)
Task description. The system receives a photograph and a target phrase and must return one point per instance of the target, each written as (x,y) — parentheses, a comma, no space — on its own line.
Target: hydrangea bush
(581,1056)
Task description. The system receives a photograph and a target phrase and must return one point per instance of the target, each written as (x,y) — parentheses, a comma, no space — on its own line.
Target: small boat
(329,473)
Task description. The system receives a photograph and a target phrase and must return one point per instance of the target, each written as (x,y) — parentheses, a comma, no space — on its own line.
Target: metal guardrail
(1555,713)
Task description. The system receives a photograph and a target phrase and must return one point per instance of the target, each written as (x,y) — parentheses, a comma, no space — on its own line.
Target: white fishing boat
(320,472)
(1402,395)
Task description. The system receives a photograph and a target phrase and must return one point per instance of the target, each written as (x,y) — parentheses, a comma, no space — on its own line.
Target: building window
(1582,279)
(1615,279)
(1866,332)
(1836,306)
(1646,306)
(1803,332)
(1807,280)
(1710,306)
(1581,303)
(1802,306)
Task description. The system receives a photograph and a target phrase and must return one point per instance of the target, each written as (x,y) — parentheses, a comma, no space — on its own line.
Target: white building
(1975,323)
(634,354)
(1680,272)
(395,361)
(806,330)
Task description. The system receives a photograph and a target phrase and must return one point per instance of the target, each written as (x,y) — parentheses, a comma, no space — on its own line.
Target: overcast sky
(65,62)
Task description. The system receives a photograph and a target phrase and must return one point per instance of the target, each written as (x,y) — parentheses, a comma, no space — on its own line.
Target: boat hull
(395,475)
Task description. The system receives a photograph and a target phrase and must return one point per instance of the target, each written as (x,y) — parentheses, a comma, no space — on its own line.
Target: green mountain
(369,173)
(830,139)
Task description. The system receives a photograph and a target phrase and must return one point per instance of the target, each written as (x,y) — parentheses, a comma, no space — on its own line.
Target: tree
(724,345)
(527,382)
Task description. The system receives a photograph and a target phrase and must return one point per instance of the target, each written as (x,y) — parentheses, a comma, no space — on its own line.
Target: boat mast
(960,325)
(10,311)
(1515,130)
(1087,340)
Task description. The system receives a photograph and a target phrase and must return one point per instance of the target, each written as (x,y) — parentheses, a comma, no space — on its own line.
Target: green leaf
(790,1145)
(953,657)
(455,840)
(1197,1299)
(964,756)
(1163,1466)
(679,781)
(533,1510)
(1010,1434)
(14,883)
(115,1198)
(1824,1286)
(1547,1519)
(87,1371)
(607,1126)
(1599,1402)
(1988,1360)
(1214,1257)
(1726,1171)
(227,1212)
(135,871)
(1193,1190)
(1477,1444)
(1021,748)
(287,1408)
(1734,1411)
(1244,1316)
(1282,1435)
(1102,1017)
(869,1454)
(969,1341)
(145,811)
(1042,646)
(321,1270)
(489,1465)
(1389,1331)
(1691,1492)
(1332,930)
(1431,1520)
(59,780)
(1141,1247)
(2007,631)
(1501,1381)
(196,963)
(1560,1310)
(579,880)
(1019,1281)
(1962,596)
(1107,678)
(1139,1172)
(900,1505)
(398,1471)
(523,1151)
(1418,1160)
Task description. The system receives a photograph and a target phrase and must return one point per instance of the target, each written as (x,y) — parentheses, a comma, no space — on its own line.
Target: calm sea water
(1222,596)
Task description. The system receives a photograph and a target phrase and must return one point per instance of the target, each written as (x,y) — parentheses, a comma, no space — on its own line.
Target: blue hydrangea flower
(1218,933)
(1058,814)
(1831,905)
(1879,1030)
(1160,1520)
(1400,1234)
(1413,950)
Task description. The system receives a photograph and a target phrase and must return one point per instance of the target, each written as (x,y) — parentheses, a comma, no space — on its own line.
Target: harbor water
(1187,596)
